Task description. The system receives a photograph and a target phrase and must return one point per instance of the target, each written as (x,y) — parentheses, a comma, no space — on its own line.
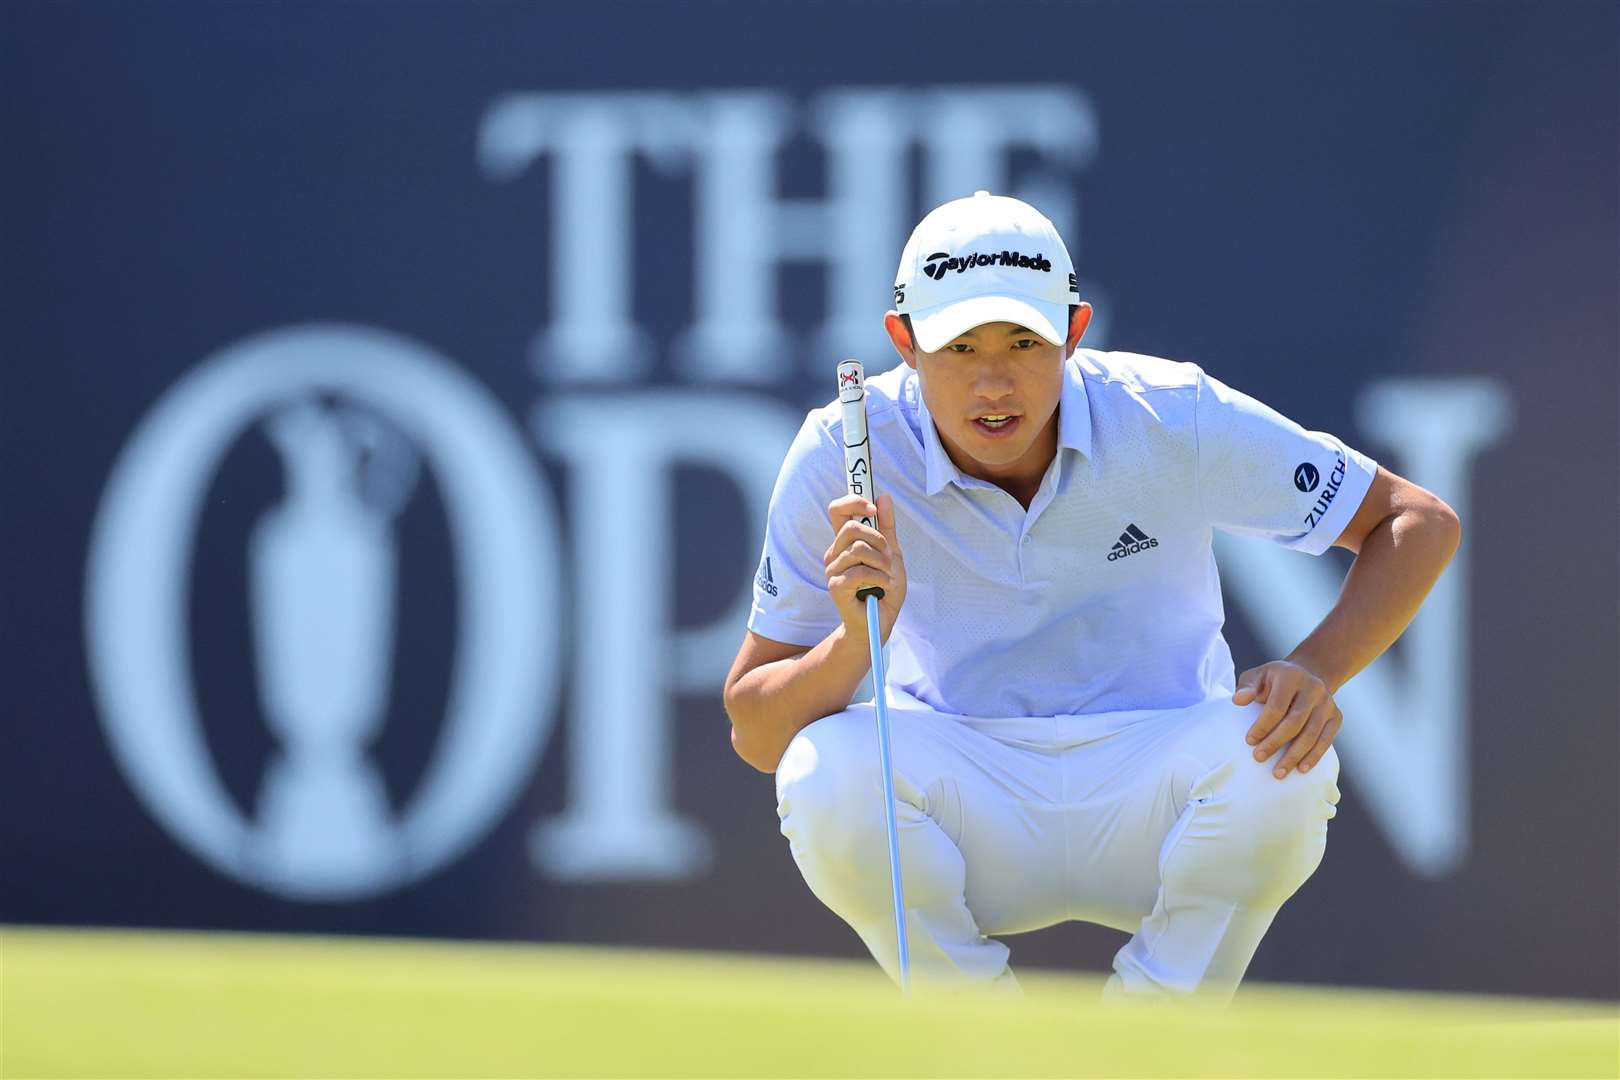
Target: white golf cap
(987,258)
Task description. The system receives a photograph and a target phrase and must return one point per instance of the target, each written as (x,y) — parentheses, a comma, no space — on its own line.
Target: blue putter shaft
(858,475)
(875,637)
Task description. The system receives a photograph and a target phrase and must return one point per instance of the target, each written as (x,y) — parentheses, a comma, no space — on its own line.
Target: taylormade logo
(942,262)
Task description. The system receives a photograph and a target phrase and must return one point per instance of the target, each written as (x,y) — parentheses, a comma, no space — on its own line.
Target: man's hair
(913,336)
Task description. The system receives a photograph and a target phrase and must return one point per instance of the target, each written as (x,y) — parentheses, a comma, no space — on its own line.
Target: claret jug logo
(323,575)
(941,263)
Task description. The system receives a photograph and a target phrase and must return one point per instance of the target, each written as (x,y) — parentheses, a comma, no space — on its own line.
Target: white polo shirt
(1103,596)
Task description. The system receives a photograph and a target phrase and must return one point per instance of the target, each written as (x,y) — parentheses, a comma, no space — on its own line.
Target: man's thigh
(997,803)
(1125,795)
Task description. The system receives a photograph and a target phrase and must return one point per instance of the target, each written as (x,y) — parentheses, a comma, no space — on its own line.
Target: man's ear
(1077,327)
(900,338)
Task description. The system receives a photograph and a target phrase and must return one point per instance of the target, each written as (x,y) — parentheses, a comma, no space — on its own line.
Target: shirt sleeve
(1261,474)
(791,601)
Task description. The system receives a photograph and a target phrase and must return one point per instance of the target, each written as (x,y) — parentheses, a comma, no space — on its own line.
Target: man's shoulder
(1134,373)
(1130,392)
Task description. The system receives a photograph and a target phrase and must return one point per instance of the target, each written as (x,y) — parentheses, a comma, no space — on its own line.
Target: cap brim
(938,327)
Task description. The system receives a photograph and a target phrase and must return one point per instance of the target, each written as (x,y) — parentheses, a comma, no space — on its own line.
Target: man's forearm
(770,704)
(1398,564)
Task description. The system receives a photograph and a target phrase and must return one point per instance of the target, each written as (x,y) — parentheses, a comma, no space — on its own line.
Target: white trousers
(1157,823)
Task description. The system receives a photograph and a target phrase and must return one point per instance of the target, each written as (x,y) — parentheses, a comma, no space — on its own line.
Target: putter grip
(857,445)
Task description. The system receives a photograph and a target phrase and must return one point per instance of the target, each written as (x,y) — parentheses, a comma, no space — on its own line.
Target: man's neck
(1022,478)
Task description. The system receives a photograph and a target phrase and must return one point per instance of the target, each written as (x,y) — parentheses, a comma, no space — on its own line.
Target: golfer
(1069,739)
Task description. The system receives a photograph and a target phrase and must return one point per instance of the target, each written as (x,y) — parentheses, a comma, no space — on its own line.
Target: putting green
(116,1004)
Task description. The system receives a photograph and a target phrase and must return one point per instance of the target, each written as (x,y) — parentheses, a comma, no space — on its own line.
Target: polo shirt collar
(1074,429)
(1074,415)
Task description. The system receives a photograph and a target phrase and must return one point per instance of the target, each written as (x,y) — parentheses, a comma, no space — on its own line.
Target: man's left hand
(1299,711)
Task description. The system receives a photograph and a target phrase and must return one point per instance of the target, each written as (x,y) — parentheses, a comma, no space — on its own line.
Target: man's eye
(959,347)
(1024,343)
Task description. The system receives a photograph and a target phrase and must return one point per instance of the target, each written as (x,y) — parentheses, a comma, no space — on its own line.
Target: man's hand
(1298,707)
(860,556)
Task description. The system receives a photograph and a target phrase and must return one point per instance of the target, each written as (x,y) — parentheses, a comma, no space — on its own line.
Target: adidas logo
(1130,542)
(764,580)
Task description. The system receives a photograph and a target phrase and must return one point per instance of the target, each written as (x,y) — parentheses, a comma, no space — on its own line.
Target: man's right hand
(860,556)
(776,689)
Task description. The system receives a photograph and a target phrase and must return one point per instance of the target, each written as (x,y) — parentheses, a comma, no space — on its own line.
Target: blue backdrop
(392,390)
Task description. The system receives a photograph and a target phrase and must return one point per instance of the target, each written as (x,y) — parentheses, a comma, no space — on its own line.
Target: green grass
(96,1003)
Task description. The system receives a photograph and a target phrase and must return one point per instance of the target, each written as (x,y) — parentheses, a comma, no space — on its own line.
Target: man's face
(993,393)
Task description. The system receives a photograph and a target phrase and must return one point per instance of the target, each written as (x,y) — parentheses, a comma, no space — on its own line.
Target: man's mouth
(994,424)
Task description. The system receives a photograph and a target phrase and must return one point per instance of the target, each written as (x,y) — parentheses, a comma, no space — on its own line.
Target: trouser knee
(828,786)
(1268,834)
(829,789)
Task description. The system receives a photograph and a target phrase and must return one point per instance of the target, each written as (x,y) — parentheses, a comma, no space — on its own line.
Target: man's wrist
(1331,674)
(848,649)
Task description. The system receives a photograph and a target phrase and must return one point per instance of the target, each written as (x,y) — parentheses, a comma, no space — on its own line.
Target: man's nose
(992,382)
